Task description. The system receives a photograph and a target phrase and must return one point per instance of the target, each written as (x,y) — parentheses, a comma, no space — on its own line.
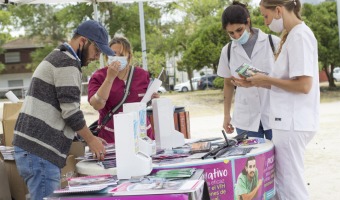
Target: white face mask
(122,59)
(243,39)
(276,25)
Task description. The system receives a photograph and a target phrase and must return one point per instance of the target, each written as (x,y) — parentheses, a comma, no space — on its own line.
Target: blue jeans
(41,176)
(260,133)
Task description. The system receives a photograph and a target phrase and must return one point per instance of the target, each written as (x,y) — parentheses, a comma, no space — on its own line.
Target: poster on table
(254,177)
(219,178)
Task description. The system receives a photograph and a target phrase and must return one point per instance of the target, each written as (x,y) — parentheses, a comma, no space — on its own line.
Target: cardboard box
(68,171)
(4,185)
(9,118)
(17,185)
(77,149)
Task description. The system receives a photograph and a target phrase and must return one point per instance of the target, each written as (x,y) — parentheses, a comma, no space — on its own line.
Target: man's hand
(97,148)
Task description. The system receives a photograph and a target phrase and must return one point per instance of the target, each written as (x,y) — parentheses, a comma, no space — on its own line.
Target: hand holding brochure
(246,70)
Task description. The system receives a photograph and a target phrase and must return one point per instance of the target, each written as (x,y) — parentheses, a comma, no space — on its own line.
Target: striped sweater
(51,113)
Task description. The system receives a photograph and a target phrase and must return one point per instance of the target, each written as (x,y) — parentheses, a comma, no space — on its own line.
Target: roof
(23,43)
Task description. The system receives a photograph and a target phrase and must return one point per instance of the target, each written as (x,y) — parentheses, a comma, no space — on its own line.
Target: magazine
(157,187)
(199,147)
(91,181)
(246,70)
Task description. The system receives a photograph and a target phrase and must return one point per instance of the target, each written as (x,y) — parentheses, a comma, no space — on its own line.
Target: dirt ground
(322,154)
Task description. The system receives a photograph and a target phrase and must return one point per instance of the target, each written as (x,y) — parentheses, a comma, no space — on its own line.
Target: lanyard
(71,51)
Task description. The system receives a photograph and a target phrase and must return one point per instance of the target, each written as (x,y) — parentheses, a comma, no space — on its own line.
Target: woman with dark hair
(106,86)
(294,95)
(252,46)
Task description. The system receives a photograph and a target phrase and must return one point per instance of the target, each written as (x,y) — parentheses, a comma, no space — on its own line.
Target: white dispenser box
(164,127)
(130,161)
(146,145)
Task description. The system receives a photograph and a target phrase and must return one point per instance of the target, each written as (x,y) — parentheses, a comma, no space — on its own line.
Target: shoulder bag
(95,127)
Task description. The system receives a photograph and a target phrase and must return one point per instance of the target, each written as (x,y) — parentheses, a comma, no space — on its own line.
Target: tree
(4,37)
(322,19)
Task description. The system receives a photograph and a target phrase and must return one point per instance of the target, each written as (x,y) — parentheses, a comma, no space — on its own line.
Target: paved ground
(322,160)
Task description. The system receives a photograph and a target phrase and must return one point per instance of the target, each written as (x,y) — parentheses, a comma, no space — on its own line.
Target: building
(16,55)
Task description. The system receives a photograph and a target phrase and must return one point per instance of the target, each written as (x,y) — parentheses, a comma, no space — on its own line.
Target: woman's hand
(241,82)
(259,80)
(227,126)
(112,70)
(155,95)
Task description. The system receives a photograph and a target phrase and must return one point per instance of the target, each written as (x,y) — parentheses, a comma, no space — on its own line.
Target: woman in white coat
(294,95)
(252,46)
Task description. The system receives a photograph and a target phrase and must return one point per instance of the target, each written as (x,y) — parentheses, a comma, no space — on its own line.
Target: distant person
(107,85)
(252,46)
(50,115)
(294,95)
(248,182)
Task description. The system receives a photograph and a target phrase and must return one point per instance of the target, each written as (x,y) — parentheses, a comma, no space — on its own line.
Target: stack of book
(7,152)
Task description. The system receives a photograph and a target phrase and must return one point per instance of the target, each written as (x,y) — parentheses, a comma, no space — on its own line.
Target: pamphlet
(91,181)
(157,187)
(246,70)
(176,173)
(199,147)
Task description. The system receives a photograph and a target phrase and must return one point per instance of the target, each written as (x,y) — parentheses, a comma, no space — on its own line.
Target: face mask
(276,25)
(121,59)
(243,39)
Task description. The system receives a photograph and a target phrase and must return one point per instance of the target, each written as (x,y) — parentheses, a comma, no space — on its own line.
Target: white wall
(4,78)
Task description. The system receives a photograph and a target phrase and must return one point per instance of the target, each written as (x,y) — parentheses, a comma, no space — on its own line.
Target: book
(85,182)
(81,190)
(246,70)
(176,173)
(199,147)
(157,187)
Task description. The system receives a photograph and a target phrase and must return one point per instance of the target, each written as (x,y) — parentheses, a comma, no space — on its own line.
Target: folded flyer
(246,70)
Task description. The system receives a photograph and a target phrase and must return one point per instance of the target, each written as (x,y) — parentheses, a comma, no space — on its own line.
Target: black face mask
(82,54)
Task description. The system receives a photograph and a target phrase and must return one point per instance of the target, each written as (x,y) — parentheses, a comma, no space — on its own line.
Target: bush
(218,82)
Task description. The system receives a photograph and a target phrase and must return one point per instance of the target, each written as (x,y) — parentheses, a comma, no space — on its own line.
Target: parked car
(161,90)
(206,81)
(336,74)
(185,87)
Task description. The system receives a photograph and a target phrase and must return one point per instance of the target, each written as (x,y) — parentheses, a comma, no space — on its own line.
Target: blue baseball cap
(95,32)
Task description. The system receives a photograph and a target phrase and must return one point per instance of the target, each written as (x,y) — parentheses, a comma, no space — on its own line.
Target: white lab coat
(251,104)
(298,57)
(294,116)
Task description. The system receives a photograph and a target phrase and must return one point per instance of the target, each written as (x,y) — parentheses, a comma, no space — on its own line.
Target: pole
(338,13)
(142,34)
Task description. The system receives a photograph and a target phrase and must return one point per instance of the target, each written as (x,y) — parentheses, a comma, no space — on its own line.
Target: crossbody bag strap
(109,115)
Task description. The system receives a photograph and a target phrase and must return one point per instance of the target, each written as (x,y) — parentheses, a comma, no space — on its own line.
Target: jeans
(41,176)
(260,133)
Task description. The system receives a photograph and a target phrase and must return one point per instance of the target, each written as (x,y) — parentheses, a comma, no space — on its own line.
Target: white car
(185,87)
(161,90)
(336,74)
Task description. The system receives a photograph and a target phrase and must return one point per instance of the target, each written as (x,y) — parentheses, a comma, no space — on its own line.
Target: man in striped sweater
(51,115)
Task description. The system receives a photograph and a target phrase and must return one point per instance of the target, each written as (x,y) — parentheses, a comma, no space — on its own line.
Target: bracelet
(98,98)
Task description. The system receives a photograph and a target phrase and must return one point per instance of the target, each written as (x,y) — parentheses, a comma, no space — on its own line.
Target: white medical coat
(251,105)
(298,57)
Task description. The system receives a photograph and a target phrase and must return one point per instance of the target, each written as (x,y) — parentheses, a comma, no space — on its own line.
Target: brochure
(199,147)
(176,173)
(91,181)
(246,70)
(157,187)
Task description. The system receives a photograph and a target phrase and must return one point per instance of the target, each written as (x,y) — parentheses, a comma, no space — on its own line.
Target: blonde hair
(289,5)
(125,44)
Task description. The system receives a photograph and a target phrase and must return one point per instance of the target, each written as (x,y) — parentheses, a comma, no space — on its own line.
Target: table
(221,174)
